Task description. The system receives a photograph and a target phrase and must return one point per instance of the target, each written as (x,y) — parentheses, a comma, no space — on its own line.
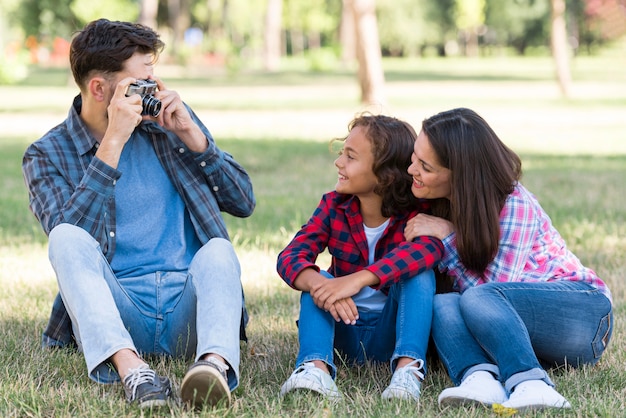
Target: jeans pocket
(603,335)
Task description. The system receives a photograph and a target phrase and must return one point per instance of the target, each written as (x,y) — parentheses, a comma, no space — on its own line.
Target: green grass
(278,126)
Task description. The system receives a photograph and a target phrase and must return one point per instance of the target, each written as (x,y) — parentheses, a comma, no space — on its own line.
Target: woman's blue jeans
(172,313)
(511,329)
(401,329)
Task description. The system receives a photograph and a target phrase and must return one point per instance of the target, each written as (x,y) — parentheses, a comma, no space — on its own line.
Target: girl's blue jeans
(172,313)
(511,329)
(401,329)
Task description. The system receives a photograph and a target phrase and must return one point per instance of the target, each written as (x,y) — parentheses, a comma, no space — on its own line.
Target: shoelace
(416,367)
(135,377)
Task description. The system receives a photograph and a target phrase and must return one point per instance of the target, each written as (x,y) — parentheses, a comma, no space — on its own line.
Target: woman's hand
(423,224)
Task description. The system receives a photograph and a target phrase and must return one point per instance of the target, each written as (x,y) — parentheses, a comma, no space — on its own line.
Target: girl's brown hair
(392,144)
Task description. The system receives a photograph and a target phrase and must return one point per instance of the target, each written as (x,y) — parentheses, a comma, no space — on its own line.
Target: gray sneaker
(206,383)
(145,388)
(309,377)
(406,382)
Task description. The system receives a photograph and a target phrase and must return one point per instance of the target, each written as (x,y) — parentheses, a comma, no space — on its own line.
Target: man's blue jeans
(401,329)
(172,313)
(511,329)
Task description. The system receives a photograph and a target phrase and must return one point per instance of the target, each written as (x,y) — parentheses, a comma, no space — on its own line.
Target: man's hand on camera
(123,116)
(175,117)
(124,113)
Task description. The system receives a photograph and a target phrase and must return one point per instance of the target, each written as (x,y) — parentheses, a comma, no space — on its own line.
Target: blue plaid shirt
(68,184)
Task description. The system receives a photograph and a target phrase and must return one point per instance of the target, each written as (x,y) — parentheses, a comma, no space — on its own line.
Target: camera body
(146,89)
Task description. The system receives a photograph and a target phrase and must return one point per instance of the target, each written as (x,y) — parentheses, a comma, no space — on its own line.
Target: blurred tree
(347,33)
(370,73)
(408,27)
(310,23)
(87,10)
(45,18)
(440,21)
(518,23)
(179,21)
(272,40)
(597,22)
(560,47)
(233,28)
(470,20)
(148,10)
(237,32)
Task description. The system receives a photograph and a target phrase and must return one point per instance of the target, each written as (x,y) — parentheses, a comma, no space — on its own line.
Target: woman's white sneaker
(479,387)
(535,394)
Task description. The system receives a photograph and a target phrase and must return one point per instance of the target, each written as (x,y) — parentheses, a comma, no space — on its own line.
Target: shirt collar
(352,207)
(83,139)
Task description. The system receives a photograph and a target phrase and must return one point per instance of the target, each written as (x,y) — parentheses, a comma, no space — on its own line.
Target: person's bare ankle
(216,356)
(321,365)
(124,360)
(403,361)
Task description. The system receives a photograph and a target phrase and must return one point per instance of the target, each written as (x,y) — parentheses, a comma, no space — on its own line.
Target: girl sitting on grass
(374,302)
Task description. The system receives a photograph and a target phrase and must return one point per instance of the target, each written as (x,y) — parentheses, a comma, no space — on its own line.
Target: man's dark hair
(103,45)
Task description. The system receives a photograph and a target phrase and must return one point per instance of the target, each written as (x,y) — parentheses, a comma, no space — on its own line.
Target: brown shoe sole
(204,385)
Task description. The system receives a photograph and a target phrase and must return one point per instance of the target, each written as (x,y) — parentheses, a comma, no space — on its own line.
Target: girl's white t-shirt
(369,299)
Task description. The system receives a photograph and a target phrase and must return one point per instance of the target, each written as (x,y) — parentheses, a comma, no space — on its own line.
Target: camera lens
(151,106)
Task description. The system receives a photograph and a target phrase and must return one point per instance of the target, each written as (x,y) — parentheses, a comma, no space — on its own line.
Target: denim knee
(67,239)
(217,254)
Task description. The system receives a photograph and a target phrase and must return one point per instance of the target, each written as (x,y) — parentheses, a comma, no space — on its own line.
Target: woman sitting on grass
(375,300)
(522,299)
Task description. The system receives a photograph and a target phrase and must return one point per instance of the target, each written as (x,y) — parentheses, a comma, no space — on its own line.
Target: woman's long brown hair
(484,172)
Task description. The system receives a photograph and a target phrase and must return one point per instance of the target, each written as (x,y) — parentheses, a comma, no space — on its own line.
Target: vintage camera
(146,88)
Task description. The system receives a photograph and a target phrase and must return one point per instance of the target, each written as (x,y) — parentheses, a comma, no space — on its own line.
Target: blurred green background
(274,81)
(244,35)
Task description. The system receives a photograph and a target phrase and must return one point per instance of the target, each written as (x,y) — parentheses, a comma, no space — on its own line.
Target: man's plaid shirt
(68,184)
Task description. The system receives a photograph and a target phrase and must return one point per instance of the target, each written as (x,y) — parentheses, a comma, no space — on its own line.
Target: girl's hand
(345,310)
(326,292)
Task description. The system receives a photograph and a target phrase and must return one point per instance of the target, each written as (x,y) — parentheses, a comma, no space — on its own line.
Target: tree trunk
(148,13)
(560,49)
(370,73)
(347,33)
(178,12)
(272,45)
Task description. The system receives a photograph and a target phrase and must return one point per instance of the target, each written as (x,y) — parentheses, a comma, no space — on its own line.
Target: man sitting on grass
(129,189)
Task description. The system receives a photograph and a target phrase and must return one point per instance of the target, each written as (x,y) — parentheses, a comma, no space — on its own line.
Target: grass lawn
(277,126)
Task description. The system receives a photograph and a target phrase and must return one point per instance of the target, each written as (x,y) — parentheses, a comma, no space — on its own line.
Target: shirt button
(114,182)
(215,188)
(203,164)
(181,150)
(112,234)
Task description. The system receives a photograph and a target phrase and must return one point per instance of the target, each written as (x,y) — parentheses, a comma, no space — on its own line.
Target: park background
(275,80)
